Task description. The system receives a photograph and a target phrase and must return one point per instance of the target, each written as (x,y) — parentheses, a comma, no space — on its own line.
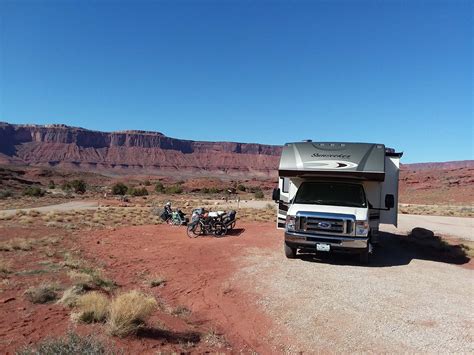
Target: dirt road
(408,300)
(68,206)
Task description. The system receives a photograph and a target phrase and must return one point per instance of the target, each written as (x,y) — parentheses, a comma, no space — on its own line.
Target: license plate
(323,247)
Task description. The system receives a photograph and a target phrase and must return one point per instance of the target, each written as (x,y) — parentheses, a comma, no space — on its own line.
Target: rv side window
(286,185)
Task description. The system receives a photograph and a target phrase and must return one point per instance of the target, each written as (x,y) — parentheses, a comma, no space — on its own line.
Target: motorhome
(333,196)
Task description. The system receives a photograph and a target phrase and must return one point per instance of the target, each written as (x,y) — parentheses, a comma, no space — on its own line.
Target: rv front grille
(325,225)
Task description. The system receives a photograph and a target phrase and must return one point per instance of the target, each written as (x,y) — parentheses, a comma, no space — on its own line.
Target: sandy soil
(409,300)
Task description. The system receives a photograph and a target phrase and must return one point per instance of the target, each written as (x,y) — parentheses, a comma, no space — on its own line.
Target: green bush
(34,191)
(78,186)
(137,191)
(5,194)
(51,185)
(259,194)
(119,189)
(159,187)
(241,187)
(174,189)
(72,343)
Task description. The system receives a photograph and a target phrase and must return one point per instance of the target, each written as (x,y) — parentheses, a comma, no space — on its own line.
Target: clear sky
(393,72)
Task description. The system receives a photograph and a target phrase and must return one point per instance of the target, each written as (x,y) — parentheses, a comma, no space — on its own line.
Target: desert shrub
(137,191)
(72,343)
(51,185)
(42,294)
(241,187)
(159,187)
(119,189)
(5,194)
(147,183)
(128,312)
(156,281)
(92,307)
(71,295)
(174,189)
(4,267)
(259,194)
(34,191)
(17,244)
(78,186)
(211,190)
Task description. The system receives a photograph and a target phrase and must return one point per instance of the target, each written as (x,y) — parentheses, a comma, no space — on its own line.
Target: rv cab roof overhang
(361,161)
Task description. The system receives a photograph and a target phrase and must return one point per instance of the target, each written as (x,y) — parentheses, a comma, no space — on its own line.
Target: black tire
(194,230)
(219,229)
(364,257)
(290,253)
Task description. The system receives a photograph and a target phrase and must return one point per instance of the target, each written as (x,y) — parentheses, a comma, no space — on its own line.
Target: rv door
(284,186)
(390,187)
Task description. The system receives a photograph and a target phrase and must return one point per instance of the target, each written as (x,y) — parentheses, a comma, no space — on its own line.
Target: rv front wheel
(364,257)
(290,253)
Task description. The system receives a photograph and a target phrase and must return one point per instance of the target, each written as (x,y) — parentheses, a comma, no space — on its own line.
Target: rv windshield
(331,193)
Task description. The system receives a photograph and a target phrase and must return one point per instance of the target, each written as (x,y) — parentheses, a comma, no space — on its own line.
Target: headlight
(290,223)
(362,228)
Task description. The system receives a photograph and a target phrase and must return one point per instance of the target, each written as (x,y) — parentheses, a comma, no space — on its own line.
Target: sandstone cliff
(132,152)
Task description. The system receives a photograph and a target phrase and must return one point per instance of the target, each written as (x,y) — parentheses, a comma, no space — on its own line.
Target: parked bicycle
(205,223)
(215,223)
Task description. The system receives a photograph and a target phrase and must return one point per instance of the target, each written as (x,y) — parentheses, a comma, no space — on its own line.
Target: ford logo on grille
(324,225)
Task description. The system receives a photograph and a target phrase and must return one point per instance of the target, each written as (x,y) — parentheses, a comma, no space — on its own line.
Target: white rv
(333,196)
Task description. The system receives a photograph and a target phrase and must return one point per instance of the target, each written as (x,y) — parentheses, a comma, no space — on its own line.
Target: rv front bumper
(309,241)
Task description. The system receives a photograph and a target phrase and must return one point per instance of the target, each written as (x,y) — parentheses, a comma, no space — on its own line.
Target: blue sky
(393,72)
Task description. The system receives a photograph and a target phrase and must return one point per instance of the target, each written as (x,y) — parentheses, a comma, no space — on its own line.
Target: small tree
(174,189)
(79,186)
(241,187)
(159,187)
(51,185)
(119,189)
(137,191)
(34,191)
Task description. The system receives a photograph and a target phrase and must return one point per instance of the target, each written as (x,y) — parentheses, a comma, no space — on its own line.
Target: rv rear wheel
(290,253)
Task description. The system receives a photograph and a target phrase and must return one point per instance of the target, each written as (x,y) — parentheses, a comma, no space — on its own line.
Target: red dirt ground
(198,273)
(199,276)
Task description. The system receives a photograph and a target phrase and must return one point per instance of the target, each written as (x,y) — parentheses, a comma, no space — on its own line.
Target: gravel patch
(423,306)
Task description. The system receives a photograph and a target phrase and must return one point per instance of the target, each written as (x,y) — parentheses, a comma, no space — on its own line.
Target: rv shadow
(398,249)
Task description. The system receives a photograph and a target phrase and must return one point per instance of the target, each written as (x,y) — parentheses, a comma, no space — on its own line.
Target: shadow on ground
(397,249)
(235,232)
(169,336)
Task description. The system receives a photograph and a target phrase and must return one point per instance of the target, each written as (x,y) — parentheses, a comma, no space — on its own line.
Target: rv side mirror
(276,195)
(389,201)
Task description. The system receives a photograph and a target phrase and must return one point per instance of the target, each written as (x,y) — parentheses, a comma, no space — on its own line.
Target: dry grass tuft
(92,307)
(17,244)
(181,311)
(128,312)
(214,339)
(4,267)
(156,281)
(42,294)
(71,295)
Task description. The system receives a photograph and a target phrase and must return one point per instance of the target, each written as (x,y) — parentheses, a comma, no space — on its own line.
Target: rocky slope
(132,152)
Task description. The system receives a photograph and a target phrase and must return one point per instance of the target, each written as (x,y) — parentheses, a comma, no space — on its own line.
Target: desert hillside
(131,152)
(141,153)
